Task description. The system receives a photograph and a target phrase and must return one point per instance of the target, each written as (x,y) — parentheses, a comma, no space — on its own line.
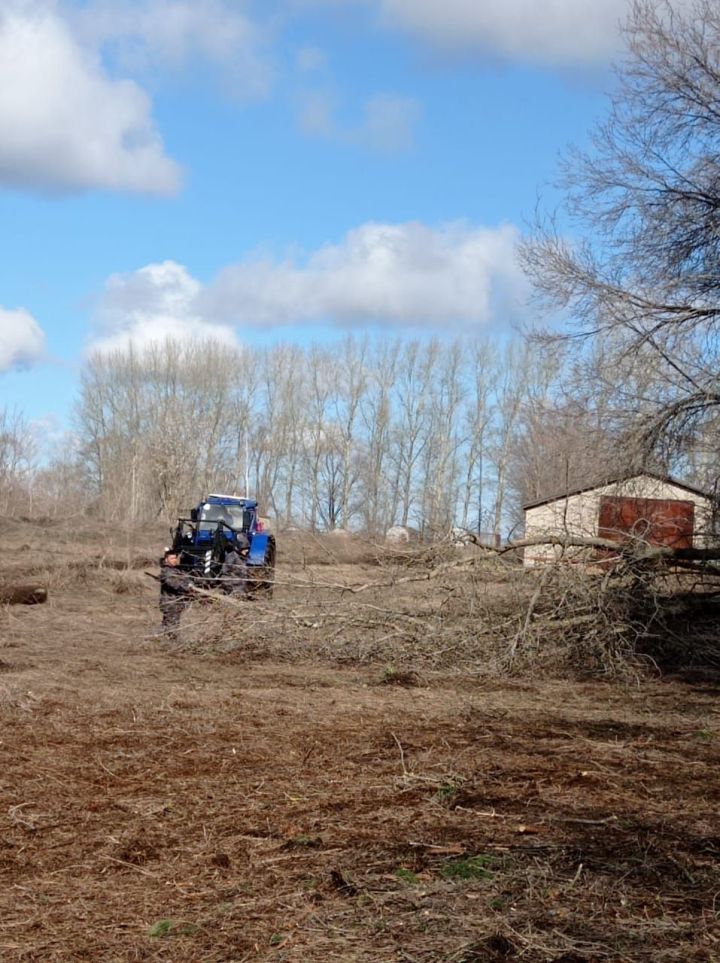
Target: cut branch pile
(634,611)
(610,605)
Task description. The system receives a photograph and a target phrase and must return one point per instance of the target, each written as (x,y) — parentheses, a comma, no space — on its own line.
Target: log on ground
(22,594)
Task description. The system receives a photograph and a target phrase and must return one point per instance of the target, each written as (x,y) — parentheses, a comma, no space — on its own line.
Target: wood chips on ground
(161,803)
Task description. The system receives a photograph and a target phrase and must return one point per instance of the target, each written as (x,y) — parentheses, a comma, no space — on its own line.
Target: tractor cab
(228,513)
(219,524)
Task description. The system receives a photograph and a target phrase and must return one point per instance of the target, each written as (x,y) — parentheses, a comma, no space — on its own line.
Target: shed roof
(613,480)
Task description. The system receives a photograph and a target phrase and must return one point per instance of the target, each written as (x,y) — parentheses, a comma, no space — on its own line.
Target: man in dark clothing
(234,576)
(175,591)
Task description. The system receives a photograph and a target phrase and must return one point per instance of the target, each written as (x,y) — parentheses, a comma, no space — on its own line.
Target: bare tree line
(359,434)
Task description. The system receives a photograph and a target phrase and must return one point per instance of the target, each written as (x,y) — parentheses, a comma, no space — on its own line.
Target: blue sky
(296,169)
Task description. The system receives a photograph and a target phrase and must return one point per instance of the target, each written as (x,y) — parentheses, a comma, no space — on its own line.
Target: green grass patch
(447,792)
(407,876)
(160,929)
(302,839)
(469,867)
(169,928)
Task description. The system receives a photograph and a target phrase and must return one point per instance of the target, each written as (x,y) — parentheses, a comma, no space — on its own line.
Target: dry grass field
(335,775)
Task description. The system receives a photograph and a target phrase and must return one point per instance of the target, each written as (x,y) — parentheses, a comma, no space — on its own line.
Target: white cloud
(556,31)
(150,305)
(398,275)
(406,275)
(146,35)
(22,341)
(66,125)
(551,32)
(387,124)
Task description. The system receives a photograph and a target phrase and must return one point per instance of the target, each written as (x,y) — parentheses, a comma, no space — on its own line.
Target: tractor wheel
(262,577)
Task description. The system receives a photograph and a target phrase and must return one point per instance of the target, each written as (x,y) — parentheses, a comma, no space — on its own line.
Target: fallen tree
(630,548)
(611,605)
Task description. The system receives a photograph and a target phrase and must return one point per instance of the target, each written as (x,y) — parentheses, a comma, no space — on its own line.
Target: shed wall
(577,515)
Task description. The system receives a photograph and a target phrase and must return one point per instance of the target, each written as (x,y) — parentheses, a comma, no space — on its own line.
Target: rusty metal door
(659,521)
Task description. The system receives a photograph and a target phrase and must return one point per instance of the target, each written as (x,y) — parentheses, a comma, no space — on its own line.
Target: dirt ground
(172,802)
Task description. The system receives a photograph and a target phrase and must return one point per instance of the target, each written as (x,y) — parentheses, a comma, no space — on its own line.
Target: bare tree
(352,385)
(315,434)
(410,432)
(510,394)
(440,461)
(59,487)
(482,384)
(644,282)
(155,426)
(291,431)
(17,460)
(376,413)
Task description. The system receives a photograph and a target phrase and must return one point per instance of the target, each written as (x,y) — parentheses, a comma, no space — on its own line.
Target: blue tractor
(219,524)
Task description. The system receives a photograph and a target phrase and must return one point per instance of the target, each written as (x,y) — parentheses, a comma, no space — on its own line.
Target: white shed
(658,508)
